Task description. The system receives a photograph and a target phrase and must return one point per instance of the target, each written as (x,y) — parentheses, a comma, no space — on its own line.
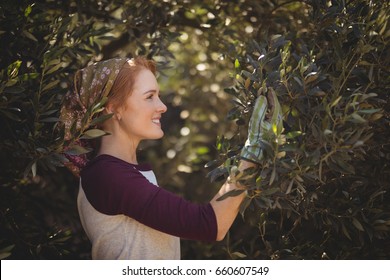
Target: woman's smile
(157,121)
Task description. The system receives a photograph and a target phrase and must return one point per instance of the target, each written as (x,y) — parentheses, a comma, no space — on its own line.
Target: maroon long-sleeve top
(113,186)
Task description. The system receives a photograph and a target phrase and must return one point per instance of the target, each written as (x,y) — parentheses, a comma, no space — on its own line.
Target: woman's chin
(157,136)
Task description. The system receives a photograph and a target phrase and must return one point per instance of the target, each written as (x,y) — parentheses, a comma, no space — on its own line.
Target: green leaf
(369,111)
(244,205)
(101,119)
(356,118)
(239,255)
(212,163)
(52,62)
(273,175)
(298,81)
(28,76)
(316,91)
(47,113)
(76,150)
(93,133)
(7,249)
(4,255)
(34,169)
(293,134)
(15,89)
(345,231)
(357,224)
(334,103)
(269,191)
(231,91)
(53,69)
(29,35)
(231,193)
(236,64)
(311,77)
(50,85)
(99,105)
(217,173)
(27,11)
(11,82)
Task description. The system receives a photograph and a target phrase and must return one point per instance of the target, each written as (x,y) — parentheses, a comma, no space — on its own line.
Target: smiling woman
(124,212)
(135,119)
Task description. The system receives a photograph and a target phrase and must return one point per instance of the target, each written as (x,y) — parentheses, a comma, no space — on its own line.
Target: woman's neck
(123,149)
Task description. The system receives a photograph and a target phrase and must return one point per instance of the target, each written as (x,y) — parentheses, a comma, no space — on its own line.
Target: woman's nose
(161,106)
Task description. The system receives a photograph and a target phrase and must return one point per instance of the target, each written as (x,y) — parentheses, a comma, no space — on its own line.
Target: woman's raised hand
(265,122)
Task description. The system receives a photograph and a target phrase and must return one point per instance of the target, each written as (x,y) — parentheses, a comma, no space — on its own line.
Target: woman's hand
(266,121)
(227,209)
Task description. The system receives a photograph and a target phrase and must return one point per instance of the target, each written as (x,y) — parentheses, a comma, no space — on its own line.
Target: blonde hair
(124,83)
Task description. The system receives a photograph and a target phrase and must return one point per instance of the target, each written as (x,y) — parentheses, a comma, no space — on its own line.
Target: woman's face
(140,116)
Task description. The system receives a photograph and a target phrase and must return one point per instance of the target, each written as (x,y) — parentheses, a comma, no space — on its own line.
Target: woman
(124,212)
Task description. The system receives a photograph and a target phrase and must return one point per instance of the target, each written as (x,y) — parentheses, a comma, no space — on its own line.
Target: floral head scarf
(91,88)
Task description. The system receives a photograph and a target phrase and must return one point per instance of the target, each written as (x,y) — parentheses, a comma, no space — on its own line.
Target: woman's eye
(150,96)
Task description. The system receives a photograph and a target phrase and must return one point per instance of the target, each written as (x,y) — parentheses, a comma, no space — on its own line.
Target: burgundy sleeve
(115,187)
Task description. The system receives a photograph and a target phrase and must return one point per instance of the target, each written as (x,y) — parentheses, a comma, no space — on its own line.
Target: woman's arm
(227,209)
(261,126)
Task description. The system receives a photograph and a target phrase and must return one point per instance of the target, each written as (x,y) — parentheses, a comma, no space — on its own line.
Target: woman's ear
(111,109)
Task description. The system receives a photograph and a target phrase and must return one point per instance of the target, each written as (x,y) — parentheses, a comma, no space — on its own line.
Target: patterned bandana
(91,85)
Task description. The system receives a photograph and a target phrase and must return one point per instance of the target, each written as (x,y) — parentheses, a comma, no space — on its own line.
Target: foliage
(35,63)
(322,192)
(42,44)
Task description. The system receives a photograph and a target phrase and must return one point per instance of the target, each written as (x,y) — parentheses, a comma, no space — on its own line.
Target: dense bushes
(323,189)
